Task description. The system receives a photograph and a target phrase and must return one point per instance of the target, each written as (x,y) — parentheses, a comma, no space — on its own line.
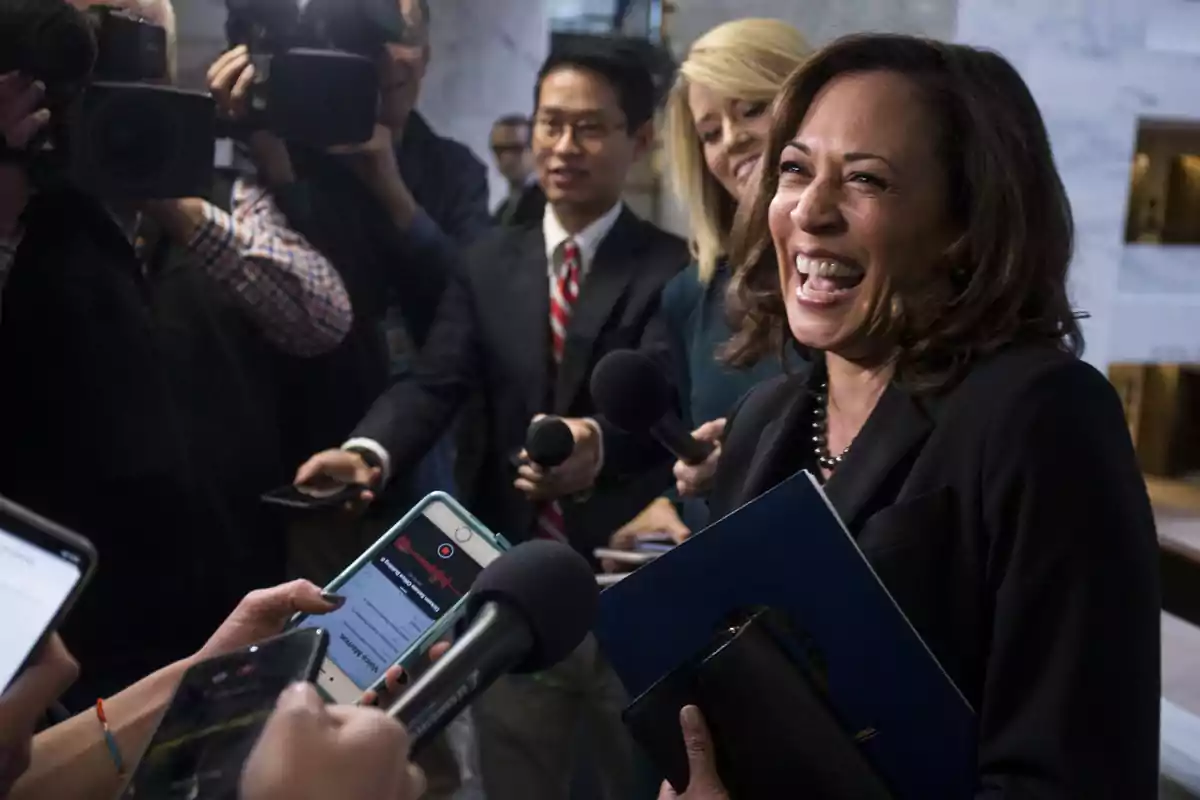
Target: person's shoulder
(453,152)
(1021,368)
(685,291)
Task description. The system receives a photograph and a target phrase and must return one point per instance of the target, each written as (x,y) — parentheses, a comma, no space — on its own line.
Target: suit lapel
(896,428)
(527,310)
(613,270)
(776,451)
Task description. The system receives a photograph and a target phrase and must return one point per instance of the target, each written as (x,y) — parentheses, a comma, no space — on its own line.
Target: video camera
(317,81)
(130,136)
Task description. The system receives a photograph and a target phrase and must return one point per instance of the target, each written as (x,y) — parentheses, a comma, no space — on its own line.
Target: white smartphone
(401,595)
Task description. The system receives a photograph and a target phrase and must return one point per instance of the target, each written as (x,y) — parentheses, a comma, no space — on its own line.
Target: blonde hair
(746,59)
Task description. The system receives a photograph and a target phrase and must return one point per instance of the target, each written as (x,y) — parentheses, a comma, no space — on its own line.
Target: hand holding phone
(217,715)
(329,751)
(400,595)
(43,569)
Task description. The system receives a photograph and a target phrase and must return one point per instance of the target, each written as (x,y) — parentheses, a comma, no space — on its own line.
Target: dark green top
(695,316)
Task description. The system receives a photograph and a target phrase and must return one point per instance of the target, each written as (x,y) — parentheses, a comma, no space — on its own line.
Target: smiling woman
(912,234)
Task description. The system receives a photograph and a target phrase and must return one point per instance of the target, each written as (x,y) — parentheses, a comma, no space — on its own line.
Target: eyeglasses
(582,131)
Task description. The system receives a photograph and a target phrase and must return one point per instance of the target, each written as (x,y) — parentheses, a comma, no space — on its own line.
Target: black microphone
(631,392)
(528,610)
(549,442)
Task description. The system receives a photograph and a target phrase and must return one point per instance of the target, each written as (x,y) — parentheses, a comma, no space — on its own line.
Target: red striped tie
(564,291)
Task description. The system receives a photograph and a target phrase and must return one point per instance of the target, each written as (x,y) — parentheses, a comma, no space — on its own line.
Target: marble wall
(1096,67)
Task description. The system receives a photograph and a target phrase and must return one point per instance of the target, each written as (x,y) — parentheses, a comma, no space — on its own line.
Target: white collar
(588,239)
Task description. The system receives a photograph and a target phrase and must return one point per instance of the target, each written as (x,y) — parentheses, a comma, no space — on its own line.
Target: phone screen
(405,585)
(37,576)
(216,716)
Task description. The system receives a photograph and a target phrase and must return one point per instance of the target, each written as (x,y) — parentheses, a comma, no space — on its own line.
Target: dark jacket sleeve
(1071,698)
(418,408)
(467,213)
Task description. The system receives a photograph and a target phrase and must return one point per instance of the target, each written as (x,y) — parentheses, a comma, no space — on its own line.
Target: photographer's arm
(273,273)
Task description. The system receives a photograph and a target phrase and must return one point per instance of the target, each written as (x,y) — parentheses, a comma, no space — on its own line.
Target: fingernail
(690,717)
(333,599)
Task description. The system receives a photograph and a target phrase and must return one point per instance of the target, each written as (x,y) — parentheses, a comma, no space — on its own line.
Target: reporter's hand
(22,706)
(395,681)
(343,466)
(576,474)
(693,480)
(20,121)
(264,613)
(310,751)
(703,781)
(656,519)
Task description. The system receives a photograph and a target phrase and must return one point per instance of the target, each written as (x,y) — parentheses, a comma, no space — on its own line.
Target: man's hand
(230,79)
(342,466)
(703,781)
(693,480)
(309,750)
(576,474)
(20,121)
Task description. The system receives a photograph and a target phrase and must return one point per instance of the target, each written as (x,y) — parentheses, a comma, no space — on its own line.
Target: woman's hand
(703,781)
(693,480)
(264,613)
(311,750)
(22,707)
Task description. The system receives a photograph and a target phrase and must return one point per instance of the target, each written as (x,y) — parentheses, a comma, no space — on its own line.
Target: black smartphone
(217,714)
(321,494)
(43,569)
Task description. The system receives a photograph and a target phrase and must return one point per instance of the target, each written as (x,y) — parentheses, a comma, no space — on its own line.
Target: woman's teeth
(826,280)
(745,169)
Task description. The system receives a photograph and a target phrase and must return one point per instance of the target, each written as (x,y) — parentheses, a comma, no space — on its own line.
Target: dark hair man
(511,147)
(535,310)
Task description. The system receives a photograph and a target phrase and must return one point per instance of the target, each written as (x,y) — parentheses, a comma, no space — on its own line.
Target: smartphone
(43,569)
(323,493)
(401,595)
(216,716)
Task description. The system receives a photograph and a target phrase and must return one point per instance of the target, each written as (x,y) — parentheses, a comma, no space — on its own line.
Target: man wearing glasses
(534,311)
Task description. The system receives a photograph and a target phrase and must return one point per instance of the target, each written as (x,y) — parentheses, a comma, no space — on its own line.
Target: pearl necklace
(825,459)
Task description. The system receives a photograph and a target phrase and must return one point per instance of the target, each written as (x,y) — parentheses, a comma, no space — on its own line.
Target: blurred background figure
(511,147)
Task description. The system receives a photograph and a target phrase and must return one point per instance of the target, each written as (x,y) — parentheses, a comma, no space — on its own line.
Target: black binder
(759,688)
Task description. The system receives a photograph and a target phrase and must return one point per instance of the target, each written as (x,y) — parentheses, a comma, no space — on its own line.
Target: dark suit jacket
(491,334)
(527,211)
(1009,520)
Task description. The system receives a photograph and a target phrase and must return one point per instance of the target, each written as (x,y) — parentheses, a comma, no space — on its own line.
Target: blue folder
(789,551)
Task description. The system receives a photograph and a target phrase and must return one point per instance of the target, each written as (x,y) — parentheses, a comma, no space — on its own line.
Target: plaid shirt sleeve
(290,289)
(8,253)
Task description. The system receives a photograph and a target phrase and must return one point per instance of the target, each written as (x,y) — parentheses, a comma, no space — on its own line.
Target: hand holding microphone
(561,457)
(693,480)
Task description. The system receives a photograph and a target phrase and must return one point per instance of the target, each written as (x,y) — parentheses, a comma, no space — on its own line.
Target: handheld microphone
(549,442)
(529,609)
(631,393)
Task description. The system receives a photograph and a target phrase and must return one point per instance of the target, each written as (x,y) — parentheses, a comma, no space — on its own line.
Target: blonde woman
(717,118)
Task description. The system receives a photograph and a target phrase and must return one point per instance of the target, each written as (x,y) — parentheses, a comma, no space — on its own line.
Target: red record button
(445,551)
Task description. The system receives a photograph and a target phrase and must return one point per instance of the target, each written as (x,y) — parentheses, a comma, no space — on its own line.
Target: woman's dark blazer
(1010,521)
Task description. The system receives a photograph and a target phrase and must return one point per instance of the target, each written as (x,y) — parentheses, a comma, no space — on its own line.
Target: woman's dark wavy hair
(1006,274)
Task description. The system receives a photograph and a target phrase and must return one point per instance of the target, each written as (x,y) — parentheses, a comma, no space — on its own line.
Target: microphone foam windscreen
(549,442)
(552,587)
(629,389)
